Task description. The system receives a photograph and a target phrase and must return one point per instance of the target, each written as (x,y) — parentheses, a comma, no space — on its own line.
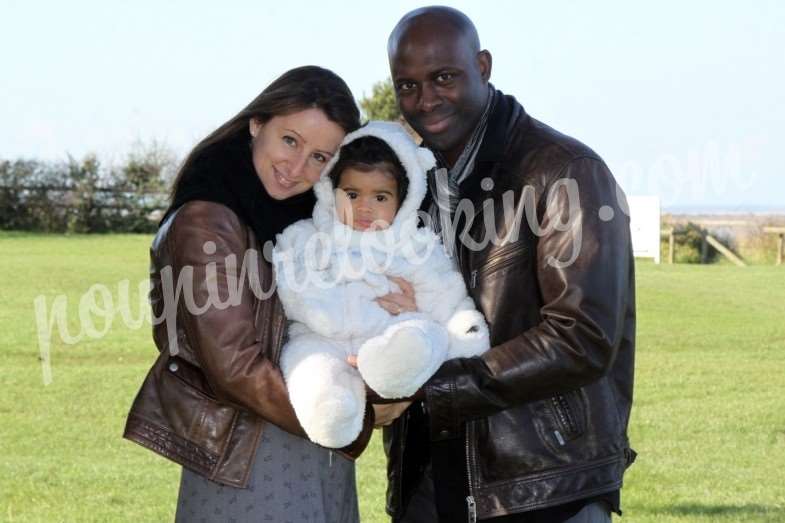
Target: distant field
(708,419)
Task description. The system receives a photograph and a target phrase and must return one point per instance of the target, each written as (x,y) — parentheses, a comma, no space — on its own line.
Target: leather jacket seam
(222,454)
(572,161)
(560,175)
(555,473)
(252,459)
(142,439)
(555,501)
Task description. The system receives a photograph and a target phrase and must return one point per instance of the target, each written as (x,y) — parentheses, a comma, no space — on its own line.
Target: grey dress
(292,481)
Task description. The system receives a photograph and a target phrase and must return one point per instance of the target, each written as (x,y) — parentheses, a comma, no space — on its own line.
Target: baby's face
(367,199)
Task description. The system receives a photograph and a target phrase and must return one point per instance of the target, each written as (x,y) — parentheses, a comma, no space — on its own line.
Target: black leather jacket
(543,414)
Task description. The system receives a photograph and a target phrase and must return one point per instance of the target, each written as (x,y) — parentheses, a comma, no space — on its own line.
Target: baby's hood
(415,160)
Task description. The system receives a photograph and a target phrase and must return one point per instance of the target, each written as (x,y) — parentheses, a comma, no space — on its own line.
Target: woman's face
(290,151)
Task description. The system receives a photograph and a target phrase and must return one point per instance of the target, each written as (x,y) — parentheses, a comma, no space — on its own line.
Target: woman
(215,401)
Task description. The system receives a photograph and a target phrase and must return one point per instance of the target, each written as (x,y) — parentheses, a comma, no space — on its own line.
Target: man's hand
(398,302)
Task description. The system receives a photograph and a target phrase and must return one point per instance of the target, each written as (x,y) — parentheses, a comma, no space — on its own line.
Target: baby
(330,270)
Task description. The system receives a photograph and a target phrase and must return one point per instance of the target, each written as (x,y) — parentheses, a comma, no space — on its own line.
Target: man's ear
(485,62)
(254,124)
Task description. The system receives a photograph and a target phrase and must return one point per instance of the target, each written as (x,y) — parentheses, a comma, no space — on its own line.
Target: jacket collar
(504,115)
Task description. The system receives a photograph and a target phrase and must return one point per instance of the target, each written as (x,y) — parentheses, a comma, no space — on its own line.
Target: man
(535,429)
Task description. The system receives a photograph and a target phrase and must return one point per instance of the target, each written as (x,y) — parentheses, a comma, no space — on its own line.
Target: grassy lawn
(708,419)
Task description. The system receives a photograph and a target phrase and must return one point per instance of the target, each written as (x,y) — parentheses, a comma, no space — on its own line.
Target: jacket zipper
(565,415)
(402,439)
(281,324)
(471,504)
(472,509)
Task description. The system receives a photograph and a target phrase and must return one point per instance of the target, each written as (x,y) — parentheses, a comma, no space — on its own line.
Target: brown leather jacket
(543,414)
(204,403)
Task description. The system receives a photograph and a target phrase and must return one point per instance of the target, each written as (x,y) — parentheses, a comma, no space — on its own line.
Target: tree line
(86,196)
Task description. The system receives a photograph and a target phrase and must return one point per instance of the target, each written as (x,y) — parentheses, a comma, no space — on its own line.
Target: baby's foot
(398,362)
(335,418)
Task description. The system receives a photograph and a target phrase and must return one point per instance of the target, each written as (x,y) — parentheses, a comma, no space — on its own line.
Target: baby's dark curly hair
(369,153)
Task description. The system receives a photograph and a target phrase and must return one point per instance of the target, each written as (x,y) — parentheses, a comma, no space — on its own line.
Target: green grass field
(708,419)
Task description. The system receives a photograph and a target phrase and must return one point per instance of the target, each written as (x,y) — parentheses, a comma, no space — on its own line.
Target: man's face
(441,85)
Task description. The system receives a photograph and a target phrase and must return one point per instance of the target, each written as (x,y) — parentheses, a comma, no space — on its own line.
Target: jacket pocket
(499,259)
(561,419)
(569,413)
(191,410)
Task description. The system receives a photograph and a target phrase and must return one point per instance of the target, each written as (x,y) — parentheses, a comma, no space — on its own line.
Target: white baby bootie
(397,363)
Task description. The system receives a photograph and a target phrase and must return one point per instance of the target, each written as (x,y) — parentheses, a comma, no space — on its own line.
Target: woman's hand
(398,302)
(386,414)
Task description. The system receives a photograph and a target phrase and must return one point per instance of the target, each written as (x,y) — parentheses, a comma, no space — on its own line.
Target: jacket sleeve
(210,240)
(583,273)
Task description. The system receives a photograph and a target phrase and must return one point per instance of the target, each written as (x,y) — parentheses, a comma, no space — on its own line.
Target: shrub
(688,242)
(84,196)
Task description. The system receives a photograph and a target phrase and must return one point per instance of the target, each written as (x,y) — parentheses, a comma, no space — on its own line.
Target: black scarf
(224,173)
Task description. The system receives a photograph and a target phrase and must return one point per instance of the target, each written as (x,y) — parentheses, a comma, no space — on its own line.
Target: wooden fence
(709,240)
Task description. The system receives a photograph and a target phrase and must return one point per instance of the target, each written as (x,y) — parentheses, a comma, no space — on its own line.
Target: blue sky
(685,100)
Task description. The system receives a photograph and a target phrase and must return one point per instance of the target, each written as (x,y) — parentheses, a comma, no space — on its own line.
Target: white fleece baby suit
(328,276)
